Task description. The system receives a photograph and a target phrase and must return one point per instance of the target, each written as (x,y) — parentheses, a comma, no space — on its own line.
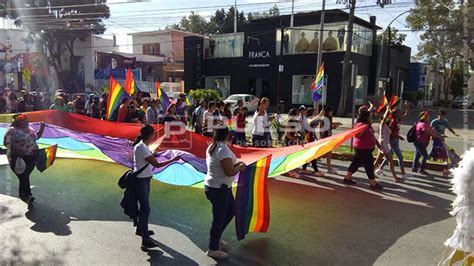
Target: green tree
(442,41)
(193,23)
(396,38)
(55,24)
(272,12)
(223,21)
(457,84)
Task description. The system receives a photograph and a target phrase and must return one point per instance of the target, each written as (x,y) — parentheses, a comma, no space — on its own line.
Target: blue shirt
(440,125)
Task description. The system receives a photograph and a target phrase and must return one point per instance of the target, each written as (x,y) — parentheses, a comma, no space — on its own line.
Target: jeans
(365,158)
(395,146)
(142,190)
(421,151)
(24,178)
(314,164)
(223,210)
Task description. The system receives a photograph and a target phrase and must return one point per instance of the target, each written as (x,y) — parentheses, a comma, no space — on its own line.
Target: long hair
(220,135)
(146,132)
(363,117)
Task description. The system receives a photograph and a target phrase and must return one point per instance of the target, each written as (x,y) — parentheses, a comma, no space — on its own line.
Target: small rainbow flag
(116,93)
(252,212)
(129,83)
(318,84)
(382,104)
(46,157)
(189,100)
(165,101)
(394,101)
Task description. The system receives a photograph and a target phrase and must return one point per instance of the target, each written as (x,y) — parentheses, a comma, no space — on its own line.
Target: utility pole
(280,66)
(388,84)
(292,17)
(235,16)
(320,49)
(346,68)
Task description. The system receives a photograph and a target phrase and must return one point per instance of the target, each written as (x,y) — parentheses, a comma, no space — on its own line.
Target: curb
(429,166)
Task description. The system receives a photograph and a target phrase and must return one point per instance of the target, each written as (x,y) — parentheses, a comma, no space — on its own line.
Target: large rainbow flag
(129,83)
(318,84)
(88,138)
(46,157)
(252,207)
(116,93)
(165,101)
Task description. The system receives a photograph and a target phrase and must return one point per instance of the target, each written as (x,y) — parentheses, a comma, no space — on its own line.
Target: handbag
(129,176)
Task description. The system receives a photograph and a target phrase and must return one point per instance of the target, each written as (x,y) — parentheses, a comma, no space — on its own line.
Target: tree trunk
(346,67)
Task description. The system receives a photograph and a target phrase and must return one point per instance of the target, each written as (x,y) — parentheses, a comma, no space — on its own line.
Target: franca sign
(259,54)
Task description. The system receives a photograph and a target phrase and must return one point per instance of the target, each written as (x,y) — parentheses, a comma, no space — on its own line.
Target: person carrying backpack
(423,133)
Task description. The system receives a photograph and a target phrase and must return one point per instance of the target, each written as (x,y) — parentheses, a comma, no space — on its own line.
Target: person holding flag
(20,141)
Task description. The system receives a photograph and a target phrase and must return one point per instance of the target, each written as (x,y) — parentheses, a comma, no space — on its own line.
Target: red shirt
(395,128)
(122,114)
(240,121)
(366,141)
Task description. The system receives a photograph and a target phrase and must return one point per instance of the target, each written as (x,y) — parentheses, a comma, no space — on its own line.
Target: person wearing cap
(364,144)
(423,134)
(20,141)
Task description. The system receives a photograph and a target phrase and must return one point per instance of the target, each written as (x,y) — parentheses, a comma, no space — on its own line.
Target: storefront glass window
(219,83)
(362,83)
(224,45)
(301,40)
(301,89)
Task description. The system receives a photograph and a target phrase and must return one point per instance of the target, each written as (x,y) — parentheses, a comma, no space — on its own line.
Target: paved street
(77,220)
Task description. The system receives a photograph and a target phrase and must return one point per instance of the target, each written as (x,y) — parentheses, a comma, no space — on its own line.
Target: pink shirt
(421,134)
(367,141)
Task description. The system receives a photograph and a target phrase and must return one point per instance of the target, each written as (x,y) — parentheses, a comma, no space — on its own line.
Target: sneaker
(332,171)
(305,172)
(405,176)
(414,170)
(380,172)
(150,233)
(217,254)
(319,174)
(445,173)
(423,172)
(376,187)
(149,243)
(293,174)
(349,181)
(223,243)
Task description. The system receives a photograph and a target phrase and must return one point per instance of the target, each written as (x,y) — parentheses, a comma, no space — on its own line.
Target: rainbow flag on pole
(318,84)
(46,157)
(252,212)
(129,83)
(189,100)
(394,101)
(116,93)
(383,104)
(165,101)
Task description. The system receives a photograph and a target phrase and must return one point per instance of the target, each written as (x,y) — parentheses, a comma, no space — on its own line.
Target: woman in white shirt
(222,166)
(261,136)
(143,160)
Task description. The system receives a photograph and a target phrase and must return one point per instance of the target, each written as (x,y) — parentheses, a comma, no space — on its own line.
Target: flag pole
(320,50)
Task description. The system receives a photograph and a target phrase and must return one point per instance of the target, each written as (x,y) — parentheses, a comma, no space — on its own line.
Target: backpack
(411,135)
(126,179)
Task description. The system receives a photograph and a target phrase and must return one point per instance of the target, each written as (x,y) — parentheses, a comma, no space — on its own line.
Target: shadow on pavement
(309,225)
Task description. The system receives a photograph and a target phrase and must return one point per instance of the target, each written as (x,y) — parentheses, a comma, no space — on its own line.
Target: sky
(156,14)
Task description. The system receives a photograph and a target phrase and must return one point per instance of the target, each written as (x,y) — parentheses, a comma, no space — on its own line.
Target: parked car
(462,101)
(250,101)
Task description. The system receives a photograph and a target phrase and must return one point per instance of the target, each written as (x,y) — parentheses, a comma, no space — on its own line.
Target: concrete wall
(165,42)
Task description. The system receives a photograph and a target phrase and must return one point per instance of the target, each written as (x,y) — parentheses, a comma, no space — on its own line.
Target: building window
(362,83)
(301,89)
(224,46)
(151,49)
(302,40)
(219,83)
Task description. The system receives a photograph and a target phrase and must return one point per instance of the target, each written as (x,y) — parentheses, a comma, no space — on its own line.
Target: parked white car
(462,101)
(250,101)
